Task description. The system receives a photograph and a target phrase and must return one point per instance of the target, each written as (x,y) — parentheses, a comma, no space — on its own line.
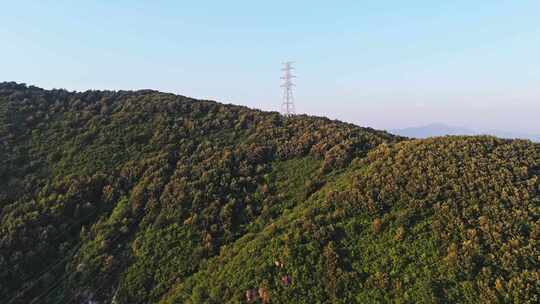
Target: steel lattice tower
(287,106)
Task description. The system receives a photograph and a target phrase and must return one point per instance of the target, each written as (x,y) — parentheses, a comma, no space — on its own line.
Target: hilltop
(147,197)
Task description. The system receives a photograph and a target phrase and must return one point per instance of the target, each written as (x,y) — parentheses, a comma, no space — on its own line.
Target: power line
(34,278)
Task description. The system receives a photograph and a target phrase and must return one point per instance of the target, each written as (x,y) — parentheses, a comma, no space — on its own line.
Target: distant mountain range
(439,129)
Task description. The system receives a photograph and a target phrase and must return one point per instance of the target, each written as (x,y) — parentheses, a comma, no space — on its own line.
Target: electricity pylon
(287,105)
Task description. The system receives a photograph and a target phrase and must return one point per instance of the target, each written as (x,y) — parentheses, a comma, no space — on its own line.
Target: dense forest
(150,197)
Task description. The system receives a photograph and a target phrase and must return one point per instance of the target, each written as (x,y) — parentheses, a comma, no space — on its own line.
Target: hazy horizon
(383,65)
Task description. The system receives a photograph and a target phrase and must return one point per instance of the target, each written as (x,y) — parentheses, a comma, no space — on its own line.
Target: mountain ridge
(149,197)
(440,129)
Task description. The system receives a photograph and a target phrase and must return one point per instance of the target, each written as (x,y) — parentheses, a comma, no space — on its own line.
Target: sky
(383,64)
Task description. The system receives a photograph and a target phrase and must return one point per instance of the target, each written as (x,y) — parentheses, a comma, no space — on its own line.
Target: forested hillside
(147,197)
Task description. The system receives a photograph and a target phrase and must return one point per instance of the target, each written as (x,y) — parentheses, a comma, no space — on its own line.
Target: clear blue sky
(385,64)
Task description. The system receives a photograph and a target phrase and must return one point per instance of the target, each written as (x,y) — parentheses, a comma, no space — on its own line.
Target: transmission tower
(287,106)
